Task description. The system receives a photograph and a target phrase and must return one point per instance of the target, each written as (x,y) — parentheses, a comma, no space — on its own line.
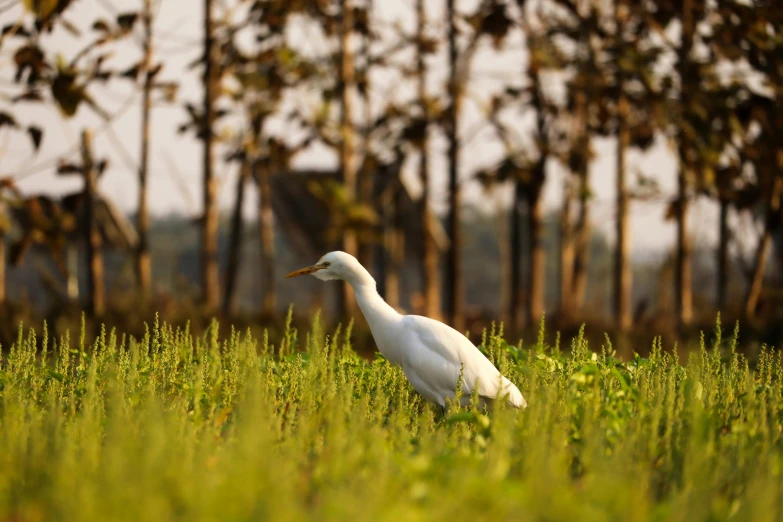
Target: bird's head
(334,265)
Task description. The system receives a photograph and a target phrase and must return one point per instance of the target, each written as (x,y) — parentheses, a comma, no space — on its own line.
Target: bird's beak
(305,271)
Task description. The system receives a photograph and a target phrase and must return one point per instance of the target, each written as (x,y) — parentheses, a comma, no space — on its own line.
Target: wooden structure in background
(55,226)
(313,226)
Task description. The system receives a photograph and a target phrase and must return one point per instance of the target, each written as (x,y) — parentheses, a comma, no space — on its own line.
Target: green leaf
(126,21)
(589,369)
(622,378)
(67,92)
(463,416)
(59,377)
(7,119)
(101,25)
(41,8)
(36,135)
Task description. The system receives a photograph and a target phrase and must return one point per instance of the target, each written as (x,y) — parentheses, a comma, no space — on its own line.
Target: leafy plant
(172,425)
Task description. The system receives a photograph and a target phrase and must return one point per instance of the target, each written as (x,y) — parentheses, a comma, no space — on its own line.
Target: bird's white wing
(438,352)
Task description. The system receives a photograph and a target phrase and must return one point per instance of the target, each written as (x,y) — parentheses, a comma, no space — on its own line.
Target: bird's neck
(376,311)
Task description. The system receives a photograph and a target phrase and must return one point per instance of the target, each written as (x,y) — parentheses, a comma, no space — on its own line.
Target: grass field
(177,427)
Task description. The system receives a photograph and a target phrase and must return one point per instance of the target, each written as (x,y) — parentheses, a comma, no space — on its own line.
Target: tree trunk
(429,261)
(756,286)
(582,243)
(454,281)
(582,131)
(682,275)
(72,264)
(723,256)
(537,255)
(763,250)
(504,254)
(683,292)
(346,305)
(566,267)
(515,252)
(95,285)
(267,232)
(143,261)
(381,256)
(622,258)
(537,273)
(209,226)
(395,248)
(622,268)
(2,269)
(366,242)
(230,300)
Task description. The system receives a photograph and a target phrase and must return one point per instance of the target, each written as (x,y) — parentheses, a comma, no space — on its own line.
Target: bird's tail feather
(515,397)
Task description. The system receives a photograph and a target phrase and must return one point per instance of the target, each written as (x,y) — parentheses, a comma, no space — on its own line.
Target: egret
(431,354)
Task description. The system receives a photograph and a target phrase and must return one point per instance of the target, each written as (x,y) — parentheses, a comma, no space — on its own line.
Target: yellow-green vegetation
(181,427)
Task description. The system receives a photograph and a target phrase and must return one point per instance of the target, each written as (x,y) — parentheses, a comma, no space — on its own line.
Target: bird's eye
(327,265)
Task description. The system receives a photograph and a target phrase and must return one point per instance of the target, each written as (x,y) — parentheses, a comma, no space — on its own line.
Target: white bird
(430,353)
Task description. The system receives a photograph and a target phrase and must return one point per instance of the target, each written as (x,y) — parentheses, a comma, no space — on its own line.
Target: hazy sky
(176,160)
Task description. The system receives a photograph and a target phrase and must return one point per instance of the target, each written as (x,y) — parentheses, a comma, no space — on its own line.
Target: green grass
(177,427)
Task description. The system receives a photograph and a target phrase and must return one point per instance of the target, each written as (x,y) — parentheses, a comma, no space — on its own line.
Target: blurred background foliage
(706,78)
